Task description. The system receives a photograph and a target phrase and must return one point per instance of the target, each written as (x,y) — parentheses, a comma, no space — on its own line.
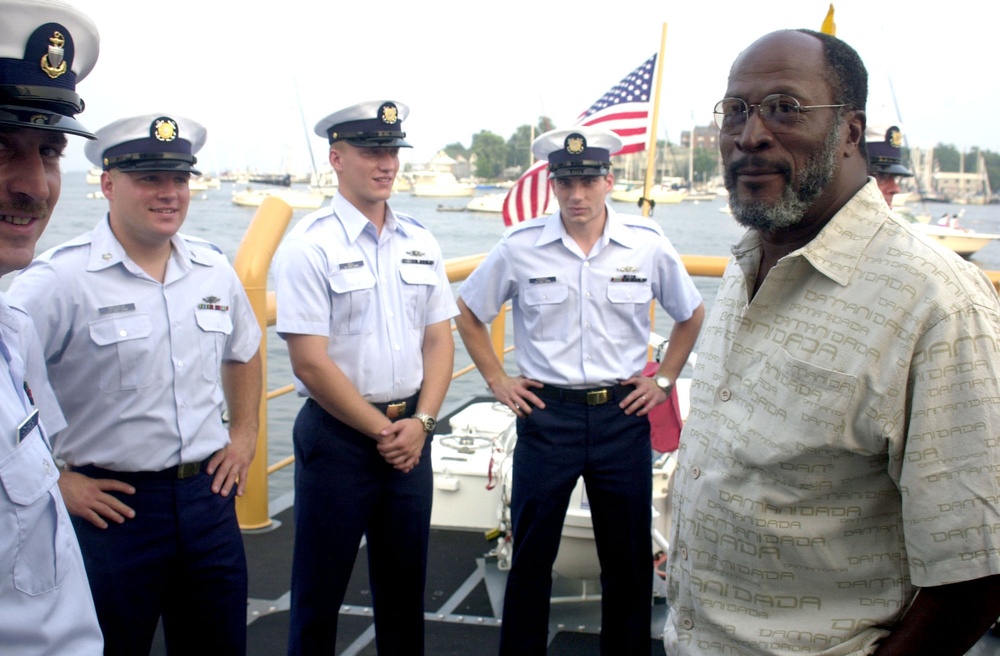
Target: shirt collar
(837,250)
(614,230)
(355,223)
(106,251)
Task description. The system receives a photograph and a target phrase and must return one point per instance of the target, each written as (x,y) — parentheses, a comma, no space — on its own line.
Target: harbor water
(695,228)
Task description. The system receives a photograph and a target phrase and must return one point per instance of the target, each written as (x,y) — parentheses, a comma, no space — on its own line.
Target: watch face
(662,382)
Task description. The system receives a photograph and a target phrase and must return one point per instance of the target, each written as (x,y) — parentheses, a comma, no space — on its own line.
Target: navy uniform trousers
(611,450)
(345,489)
(180,557)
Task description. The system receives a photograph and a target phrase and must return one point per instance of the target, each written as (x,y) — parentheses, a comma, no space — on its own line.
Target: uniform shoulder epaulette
(531,224)
(74,243)
(641,222)
(198,242)
(407,218)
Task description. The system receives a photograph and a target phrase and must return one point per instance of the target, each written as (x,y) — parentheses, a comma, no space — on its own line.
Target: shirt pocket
(41,535)
(544,307)
(419,282)
(216,327)
(352,301)
(809,415)
(123,346)
(628,309)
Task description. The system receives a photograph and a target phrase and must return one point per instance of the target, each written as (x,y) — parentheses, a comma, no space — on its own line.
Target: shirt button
(122,333)
(695,471)
(587,264)
(684,553)
(180,363)
(725,394)
(687,623)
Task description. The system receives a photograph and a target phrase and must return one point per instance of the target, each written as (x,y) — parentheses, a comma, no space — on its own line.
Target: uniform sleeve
(672,286)
(948,467)
(302,289)
(46,297)
(441,303)
(244,341)
(490,285)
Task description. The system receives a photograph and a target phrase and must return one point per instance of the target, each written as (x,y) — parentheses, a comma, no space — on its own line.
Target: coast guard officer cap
(46,48)
(152,142)
(372,124)
(577,151)
(885,152)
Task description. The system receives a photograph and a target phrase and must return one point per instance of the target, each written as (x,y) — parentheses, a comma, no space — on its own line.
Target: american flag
(625,109)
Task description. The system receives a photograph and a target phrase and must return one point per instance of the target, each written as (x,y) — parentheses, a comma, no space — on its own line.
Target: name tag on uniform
(541,281)
(352,265)
(25,427)
(115,309)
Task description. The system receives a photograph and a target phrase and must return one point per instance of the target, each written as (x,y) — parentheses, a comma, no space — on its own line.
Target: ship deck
(463,597)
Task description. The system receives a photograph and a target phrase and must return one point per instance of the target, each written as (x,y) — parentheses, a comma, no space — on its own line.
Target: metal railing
(252,263)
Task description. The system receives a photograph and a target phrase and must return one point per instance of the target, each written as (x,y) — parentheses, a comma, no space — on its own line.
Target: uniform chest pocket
(124,342)
(629,308)
(215,328)
(352,301)
(38,525)
(545,311)
(419,282)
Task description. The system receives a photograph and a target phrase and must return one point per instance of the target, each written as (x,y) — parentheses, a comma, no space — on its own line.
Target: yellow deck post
(252,263)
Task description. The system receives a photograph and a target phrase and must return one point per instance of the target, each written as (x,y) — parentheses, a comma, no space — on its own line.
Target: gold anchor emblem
(165,129)
(52,61)
(389,114)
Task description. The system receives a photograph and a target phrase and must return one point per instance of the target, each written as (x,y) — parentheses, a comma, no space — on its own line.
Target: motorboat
(492,203)
(296,198)
(947,232)
(440,184)
(659,194)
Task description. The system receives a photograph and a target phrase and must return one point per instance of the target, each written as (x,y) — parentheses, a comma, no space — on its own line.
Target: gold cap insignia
(52,61)
(894,137)
(575,143)
(388,113)
(164,129)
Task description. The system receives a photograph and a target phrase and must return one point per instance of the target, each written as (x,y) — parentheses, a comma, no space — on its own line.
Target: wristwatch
(664,383)
(428,421)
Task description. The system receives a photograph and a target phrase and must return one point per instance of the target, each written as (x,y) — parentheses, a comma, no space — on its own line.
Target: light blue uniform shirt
(135,363)
(45,602)
(371,294)
(581,320)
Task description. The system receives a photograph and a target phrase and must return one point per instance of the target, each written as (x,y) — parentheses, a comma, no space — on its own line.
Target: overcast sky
(463,66)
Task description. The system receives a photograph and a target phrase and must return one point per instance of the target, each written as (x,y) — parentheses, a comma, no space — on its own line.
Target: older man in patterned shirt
(837,487)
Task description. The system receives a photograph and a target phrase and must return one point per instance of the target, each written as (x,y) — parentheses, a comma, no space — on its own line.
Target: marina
(465,573)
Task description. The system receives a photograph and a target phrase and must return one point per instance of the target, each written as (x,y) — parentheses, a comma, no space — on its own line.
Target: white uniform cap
(151,142)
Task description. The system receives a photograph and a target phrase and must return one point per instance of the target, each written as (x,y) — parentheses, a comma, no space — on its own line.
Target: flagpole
(647,187)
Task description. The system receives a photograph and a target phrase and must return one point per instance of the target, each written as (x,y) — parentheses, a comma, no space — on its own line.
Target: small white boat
(964,242)
(297,199)
(492,203)
(440,184)
(658,194)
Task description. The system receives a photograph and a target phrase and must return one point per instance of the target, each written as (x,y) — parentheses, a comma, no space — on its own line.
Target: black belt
(175,473)
(399,409)
(593,396)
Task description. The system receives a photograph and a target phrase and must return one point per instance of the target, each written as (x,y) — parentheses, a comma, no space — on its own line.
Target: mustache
(22,205)
(757,162)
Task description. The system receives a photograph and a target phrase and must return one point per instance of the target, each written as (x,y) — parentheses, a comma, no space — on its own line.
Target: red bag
(665,419)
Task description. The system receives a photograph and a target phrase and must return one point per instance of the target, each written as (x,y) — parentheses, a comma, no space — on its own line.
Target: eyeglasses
(889,177)
(780,113)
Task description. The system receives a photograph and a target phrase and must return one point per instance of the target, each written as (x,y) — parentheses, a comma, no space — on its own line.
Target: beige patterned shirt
(841,446)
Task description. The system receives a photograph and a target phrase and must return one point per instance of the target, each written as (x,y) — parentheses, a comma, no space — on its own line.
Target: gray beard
(787,211)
